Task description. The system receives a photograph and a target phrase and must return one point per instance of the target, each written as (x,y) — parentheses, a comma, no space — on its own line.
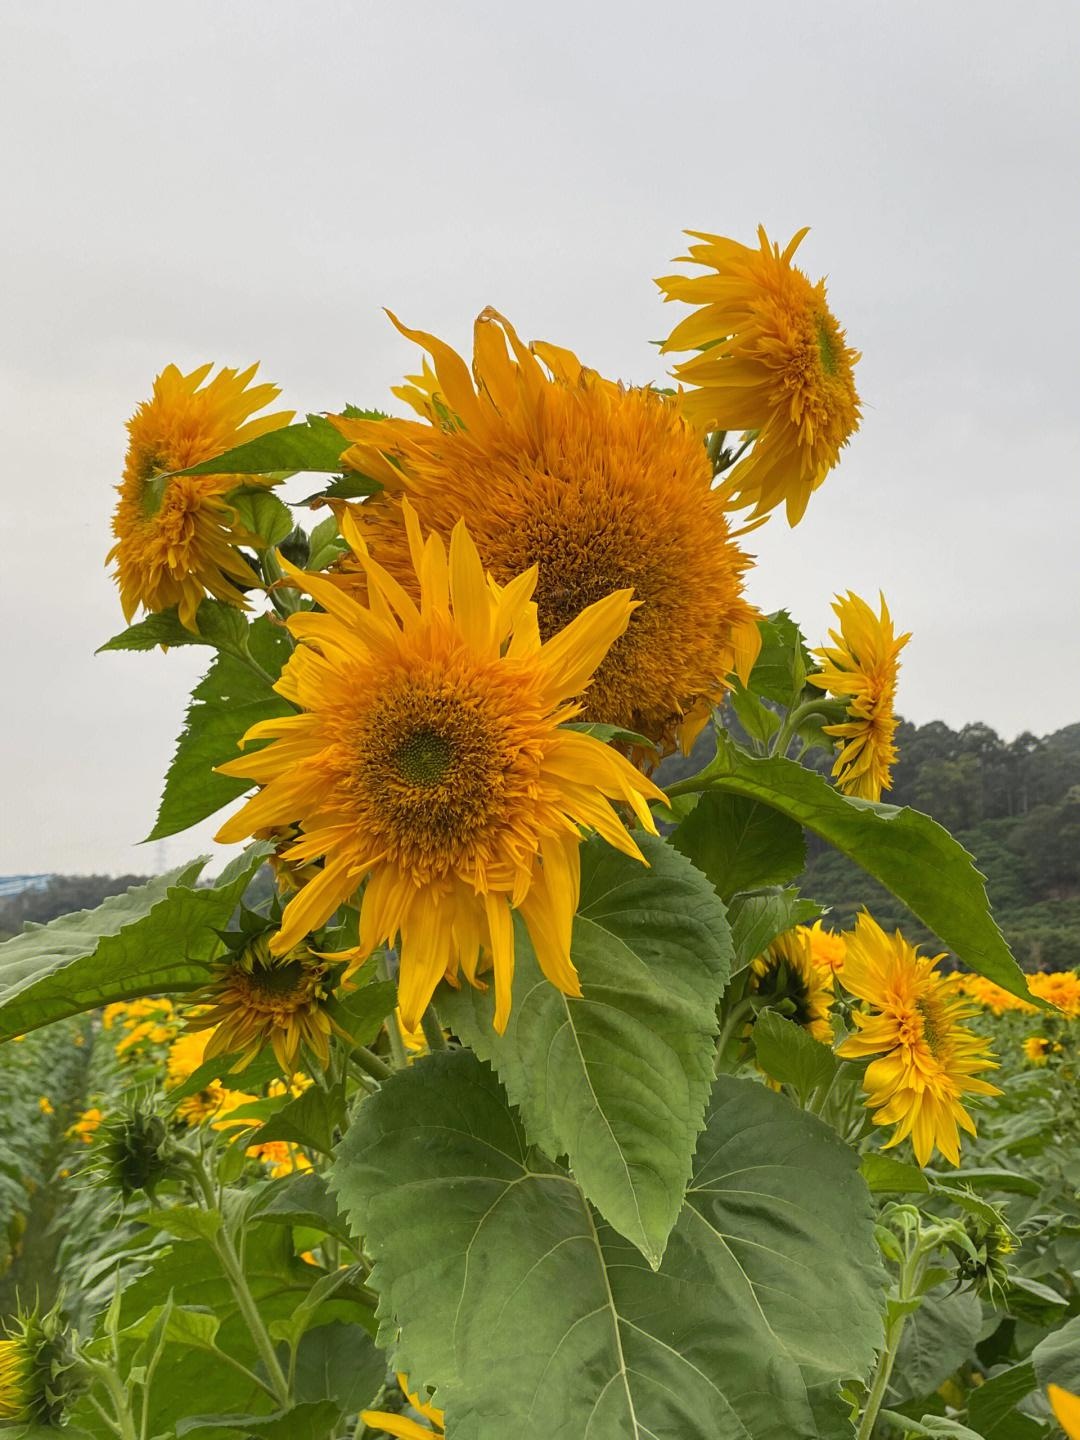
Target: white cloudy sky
(233,180)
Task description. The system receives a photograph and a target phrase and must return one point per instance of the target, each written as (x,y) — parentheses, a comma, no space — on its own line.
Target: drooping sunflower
(602,487)
(787,975)
(262,996)
(402,1426)
(861,667)
(176,539)
(39,1374)
(15,1371)
(429,756)
(927,1061)
(1066,1408)
(772,360)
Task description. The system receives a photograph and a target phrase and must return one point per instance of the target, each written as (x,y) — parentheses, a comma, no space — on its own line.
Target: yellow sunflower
(176,539)
(266,995)
(861,667)
(16,1374)
(827,947)
(771,361)
(787,975)
(429,756)
(1060,987)
(401,1426)
(85,1127)
(928,1060)
(1039,1048)
(1066,1408)
(602,487)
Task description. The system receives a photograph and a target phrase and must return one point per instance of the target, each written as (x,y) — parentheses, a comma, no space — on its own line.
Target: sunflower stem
(908,1288)
(233,1268)
(433,1030)
(370,1063)
(795,718)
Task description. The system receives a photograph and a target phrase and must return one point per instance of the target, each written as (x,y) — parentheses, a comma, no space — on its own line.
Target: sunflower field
(494,1084)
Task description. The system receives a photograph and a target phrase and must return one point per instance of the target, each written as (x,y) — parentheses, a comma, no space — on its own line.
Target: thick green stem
(124,1423)
(397,1045)
(233,1269)
(907,1289)
(433,1030)
(370,1063)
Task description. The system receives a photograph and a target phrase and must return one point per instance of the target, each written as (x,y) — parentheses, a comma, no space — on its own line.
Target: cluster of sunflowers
(494,932)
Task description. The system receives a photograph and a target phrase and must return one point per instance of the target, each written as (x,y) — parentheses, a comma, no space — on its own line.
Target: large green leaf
(758,916)
(1057,1358)
(741,844)
(939,1335)
(312,444)
(229,699)
(534,1320)
(908,852)
(618,1080)
(219,625)
(154,937)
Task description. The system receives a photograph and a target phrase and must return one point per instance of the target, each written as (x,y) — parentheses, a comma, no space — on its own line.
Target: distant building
(16,884)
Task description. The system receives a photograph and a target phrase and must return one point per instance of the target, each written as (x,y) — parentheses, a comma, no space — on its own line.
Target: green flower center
(424,758)
(826,343)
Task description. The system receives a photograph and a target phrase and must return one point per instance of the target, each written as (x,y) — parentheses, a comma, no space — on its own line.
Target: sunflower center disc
(424,758)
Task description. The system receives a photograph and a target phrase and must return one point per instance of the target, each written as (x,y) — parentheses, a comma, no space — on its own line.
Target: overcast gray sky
(227,180)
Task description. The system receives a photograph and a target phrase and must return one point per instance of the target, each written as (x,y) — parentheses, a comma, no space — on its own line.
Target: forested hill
(1015,805)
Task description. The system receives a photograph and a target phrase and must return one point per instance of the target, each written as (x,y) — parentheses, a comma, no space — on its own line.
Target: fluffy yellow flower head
(1060,987)
(861,667)
(1066,1407)
(788,971)
(771,360)
(402,1426)
(602,487)
(928,1061)
(264,998)
(428,755)
(1039,1048)
(176,539)
(827,947)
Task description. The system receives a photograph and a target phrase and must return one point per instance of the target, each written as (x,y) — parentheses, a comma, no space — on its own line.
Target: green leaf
(361,1012)
(994,1402)
(301,1200)
(908,852)
(1057,1358)
(779,672)
(619,1079)
(607,733)
(311,1119)
(989,1178)
(741,844)
(940,1335)
(262,513)
(534,1321)
(339,1363)
(787,1053)
(757,918)
(196,1329)
(160,936)
(312,1421)
(1032,1300)
(226,702)
(220,625)
(930,1425)
(313,444)
(187,1222)
(324,544)
(886,1176)
(759,722)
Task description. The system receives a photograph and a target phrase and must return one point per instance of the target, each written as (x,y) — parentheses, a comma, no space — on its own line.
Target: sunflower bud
(136,1153)
(982,1263)
(39,1371)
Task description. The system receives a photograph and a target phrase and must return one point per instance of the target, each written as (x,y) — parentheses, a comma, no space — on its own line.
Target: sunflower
(264,995)
(1060,987)
(16,1369)
(827,947)
(176,539)
(602,487)
(186,1054)
(791,980)
(429,756)
(400,1425)
(928,1060)
(1039,1048)
(861,667)
(771,360)
(86,1125)
(1066,1408)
